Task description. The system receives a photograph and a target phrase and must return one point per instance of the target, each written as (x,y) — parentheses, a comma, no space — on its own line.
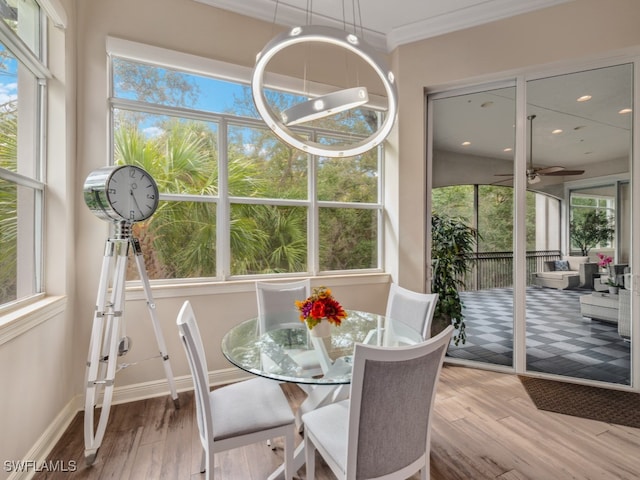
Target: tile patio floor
(559,339)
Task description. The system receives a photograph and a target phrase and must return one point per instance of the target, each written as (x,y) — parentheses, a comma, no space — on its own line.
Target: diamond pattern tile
(559,339)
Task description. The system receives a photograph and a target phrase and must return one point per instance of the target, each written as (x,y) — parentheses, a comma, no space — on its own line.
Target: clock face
(121,193)
(132,193)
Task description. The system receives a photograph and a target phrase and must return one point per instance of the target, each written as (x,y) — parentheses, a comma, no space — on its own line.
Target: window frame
(34,177)
(163,58)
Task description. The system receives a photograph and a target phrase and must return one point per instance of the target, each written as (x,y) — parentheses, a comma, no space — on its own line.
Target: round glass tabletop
(287,353)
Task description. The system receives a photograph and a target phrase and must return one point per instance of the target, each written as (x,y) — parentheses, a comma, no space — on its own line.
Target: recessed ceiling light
(625,110)
(508,149)
(557,131)
(583,98)
(466,144)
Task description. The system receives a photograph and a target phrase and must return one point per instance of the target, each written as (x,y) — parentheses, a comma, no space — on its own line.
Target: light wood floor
(485,427)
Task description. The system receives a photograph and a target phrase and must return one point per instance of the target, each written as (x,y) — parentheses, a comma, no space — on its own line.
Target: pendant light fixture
(330,104)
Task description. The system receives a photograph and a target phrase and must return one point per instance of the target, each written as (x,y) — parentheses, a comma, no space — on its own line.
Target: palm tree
(8,203)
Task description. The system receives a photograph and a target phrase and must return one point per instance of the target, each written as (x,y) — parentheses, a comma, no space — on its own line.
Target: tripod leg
(154,320)
(103,348)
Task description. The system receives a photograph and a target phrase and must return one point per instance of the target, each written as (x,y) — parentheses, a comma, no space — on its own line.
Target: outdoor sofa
(568,272)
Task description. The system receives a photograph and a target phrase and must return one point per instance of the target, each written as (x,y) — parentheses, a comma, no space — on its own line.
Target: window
(22,87)
(235,200)
(584,203)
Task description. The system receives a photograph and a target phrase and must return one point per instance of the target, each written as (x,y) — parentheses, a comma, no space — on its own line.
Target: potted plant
(613,285)
(604,261)
(590,229)
(453,243)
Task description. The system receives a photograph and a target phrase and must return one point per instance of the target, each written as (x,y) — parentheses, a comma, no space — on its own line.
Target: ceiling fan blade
(548,170)
(504,181)
(503,174)
(561,173)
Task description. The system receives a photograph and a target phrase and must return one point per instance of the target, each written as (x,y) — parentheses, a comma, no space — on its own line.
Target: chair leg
(203,461)
(288,455)
(310,458)
(206,463)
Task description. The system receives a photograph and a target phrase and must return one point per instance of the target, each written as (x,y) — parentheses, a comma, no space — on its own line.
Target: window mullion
(313,220)
(223,210)
(22,52)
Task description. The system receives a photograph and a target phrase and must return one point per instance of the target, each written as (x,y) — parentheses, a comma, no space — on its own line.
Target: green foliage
(182,155)
(495,213)
(8,204)
(455,201)
(590,228)
(347,235)
(453,242)
(495,218)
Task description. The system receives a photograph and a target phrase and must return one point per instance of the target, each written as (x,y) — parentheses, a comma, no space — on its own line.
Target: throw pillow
(561,265)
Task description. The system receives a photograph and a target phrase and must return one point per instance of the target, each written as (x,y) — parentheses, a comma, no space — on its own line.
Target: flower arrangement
(320,305)
(605,260)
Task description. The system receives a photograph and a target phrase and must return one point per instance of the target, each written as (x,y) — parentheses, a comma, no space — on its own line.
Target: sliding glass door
(580,151)
(570,223)
(473,168)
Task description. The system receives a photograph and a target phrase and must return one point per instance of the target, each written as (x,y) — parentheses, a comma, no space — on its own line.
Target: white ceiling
(591,131)
(386,24)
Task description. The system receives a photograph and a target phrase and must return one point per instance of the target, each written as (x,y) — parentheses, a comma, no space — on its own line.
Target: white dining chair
(383,431)
(412,308)
(234,415)
(277,309)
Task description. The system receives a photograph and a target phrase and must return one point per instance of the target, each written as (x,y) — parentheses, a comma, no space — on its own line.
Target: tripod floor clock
(123,195)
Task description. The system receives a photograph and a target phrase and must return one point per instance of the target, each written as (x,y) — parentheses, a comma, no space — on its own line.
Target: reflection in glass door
(579,155)
(576,133)
(472,185)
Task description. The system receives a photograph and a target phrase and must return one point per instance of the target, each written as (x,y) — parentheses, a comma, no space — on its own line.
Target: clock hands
(135,201)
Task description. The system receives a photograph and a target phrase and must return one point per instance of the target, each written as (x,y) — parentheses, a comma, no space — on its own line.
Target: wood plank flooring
(485,427)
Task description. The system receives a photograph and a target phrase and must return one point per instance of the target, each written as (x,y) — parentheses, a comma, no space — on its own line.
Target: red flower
(320,305)
(318,310)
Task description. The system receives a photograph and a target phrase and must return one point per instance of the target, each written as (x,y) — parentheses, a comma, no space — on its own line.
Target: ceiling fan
(534,174)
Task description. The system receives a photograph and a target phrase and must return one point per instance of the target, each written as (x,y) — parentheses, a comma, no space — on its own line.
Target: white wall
(37,343)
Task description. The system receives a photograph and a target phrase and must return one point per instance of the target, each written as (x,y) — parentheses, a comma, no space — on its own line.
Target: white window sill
(16,322)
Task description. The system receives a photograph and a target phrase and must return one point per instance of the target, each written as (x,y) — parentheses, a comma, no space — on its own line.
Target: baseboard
(158,388)
(129,393)
(41,449)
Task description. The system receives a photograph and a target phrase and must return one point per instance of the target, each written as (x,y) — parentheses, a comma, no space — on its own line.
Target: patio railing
(495,269)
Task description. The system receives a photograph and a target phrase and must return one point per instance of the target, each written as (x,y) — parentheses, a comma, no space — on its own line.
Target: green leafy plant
(453,243)
(590,229)
(612,283)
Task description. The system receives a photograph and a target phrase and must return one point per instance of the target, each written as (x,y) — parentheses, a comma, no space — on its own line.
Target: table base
(319,396)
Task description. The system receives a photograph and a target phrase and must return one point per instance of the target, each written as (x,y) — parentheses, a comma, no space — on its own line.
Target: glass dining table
(275,355)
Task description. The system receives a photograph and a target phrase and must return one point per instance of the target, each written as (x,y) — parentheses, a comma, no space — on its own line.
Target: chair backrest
(392,396)
(192,342)
(412,308)
(276,303)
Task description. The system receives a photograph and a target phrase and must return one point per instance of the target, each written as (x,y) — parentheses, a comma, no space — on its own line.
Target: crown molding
(464,18)
(480,12)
